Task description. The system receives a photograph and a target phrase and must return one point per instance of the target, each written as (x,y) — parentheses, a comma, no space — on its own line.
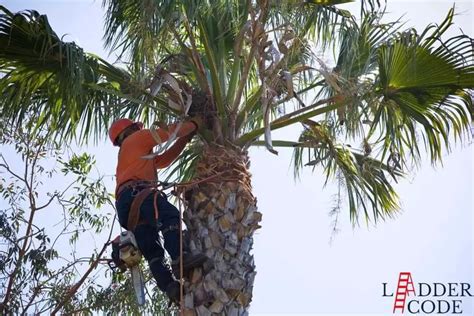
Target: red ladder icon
(405,286)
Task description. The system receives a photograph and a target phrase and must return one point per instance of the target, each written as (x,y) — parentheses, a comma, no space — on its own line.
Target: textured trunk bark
(221,216)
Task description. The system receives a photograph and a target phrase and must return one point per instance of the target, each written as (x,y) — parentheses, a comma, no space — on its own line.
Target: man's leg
(169,225)
(150,245)
(168,219)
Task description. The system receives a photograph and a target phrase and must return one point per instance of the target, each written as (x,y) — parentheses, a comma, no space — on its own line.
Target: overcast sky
(298,270)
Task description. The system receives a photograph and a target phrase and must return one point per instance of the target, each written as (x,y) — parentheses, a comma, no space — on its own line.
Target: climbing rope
(181,281)
(179,187)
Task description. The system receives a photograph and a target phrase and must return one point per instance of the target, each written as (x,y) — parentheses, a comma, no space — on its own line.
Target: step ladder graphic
(404,288)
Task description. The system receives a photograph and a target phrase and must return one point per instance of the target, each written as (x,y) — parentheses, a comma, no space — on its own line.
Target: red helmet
(119,126)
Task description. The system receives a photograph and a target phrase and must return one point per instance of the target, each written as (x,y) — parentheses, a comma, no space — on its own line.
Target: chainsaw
(125,255)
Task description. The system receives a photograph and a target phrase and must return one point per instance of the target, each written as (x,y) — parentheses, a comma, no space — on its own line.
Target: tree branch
(7,167)
(76,287)
(23,249)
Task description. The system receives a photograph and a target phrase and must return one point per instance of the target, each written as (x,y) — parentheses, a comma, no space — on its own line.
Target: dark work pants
(147,235)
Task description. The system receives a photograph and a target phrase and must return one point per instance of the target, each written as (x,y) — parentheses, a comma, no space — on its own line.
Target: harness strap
(134,214)
(155,205)
(132,184)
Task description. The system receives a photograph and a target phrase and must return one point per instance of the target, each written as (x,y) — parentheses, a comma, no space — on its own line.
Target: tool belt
(147,188)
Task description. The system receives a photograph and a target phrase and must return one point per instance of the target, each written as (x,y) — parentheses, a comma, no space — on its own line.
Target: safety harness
(141,190)
(125,252)
(146,188)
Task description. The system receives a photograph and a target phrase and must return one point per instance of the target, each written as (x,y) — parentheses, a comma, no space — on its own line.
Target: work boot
(173,292)
(190,262)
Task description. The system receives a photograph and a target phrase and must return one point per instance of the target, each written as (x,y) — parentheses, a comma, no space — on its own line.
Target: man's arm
(183,129)
(143,141)
(166,158)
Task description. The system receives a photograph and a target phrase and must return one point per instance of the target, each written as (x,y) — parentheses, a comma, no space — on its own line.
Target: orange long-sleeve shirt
(131,165)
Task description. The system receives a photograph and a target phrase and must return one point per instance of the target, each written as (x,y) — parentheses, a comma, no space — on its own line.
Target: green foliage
(37,269)
(405,87)
(42,75)
(365,180)
(80,165)
(422,85)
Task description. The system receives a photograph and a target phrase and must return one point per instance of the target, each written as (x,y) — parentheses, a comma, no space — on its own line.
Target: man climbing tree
(144,210)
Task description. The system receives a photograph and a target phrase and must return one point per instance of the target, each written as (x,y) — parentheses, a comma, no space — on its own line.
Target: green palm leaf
(407,87)
(43,75)
(67,89)
(363,179)
(425,86)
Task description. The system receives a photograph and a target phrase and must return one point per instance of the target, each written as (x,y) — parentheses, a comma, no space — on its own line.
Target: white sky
(299,272)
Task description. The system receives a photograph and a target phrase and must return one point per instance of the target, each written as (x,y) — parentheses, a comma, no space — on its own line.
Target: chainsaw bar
(138,284)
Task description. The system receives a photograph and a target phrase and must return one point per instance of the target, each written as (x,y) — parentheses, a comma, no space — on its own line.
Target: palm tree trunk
(221,217)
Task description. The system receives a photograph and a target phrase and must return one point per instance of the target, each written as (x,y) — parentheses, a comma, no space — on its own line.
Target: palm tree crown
(250,67)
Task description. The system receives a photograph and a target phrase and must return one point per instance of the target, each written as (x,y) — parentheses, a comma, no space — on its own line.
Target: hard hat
(119,126)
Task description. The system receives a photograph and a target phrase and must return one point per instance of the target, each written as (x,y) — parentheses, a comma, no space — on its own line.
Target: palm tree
(248,68)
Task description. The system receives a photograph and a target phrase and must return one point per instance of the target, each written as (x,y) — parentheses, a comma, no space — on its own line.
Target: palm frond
(425,83)
(365,179)
(411,90)
(136,27)
(316,20)
(42,74)
(359,42)
(72,93)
